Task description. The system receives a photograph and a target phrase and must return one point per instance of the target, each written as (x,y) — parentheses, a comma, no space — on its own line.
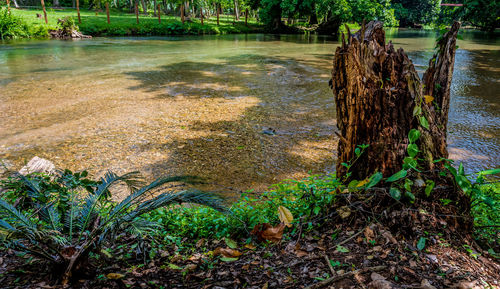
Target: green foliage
(63,224)
(12,26)
(410,12)
(305,199)
(482,13)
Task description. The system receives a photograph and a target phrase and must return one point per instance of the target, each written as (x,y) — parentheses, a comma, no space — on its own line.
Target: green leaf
(489,172)
(410,196)
(428,187)
(408,184)
(397,176)
(409,162)
(342,249)
(226,259)
(412,150)
(417,110)
(316,210)
(357,151)
(413,135)
(230,243)
(395,193)
(421,243)
(374,179)
(424,122)
(461,170)
(174,267)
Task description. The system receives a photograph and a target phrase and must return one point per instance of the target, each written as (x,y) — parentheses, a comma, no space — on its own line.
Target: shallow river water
(203,105)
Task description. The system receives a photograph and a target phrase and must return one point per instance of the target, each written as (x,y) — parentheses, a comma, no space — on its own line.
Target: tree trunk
(380,98)
(15,3)
(144,7)
(55,3)
(154,7)
(236,10)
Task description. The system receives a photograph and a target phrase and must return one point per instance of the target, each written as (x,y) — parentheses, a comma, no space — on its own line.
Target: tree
(381,102)
(411,12)
(484,14)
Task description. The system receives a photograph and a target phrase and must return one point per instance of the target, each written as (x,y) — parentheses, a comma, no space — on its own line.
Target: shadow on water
(285,132)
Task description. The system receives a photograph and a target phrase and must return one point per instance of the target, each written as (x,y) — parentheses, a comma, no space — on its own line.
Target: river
(209,105)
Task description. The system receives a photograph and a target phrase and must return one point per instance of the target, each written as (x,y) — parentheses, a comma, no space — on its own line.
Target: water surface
(200,105)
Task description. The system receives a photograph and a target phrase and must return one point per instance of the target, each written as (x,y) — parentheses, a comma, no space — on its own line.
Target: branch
(345,275)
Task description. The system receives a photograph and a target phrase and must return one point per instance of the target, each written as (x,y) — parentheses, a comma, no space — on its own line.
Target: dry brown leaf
(266,232)
(114,276)
(344,212)
(285,216)
(369,234)
(227,252)
(250,246)
(300,253)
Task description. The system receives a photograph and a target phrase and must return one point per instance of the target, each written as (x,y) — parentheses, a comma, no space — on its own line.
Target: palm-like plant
(65,238)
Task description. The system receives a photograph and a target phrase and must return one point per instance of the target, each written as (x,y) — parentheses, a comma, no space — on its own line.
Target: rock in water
(38,165)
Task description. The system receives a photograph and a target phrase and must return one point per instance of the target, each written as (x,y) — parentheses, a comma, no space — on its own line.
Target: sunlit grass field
(121,24)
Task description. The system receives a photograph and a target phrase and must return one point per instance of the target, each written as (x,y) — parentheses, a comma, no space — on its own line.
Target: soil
(366,251)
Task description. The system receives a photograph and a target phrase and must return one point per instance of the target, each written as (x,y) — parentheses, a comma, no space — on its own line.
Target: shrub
(65,220)
(12,26)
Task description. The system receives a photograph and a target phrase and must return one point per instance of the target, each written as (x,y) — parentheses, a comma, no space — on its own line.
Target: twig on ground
(350,238)
(345,275)
(330,265)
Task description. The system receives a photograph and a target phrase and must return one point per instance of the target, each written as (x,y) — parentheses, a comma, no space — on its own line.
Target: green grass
(124,24)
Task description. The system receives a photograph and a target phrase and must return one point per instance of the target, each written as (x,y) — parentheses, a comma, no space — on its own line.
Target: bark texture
(377,89)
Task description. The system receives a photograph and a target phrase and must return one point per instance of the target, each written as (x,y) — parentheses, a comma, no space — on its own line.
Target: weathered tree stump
(380,98)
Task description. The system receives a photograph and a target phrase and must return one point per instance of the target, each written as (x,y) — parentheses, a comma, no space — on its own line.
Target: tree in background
(484,14)
(411,12)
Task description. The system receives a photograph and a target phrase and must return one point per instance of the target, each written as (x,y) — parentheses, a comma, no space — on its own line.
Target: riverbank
(125,24)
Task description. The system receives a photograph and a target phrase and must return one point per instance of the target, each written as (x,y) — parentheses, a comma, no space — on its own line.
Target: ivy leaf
(397,176)
(374,179)
(417,110)
(395,193)
(410,196)
(421,243)
(424,122)
(412,150)
(429,185)
(413,135)
(409,162)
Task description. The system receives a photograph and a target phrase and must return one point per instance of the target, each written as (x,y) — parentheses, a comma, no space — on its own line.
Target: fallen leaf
(300,253)
(250,246)
(369,234)
(344,212)
(266,232)
(114,276)
(200,243)
(285,216)
(226,259)
(230,243)
(227,252)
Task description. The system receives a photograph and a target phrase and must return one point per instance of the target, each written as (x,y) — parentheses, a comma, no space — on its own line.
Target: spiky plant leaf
(51,216)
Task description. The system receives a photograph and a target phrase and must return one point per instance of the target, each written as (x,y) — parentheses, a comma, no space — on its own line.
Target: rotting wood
(376,90)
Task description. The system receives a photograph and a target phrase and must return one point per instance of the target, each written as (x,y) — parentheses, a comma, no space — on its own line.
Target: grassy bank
(124,24)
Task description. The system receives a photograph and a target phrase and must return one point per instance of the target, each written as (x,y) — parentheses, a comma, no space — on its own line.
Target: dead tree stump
(380,98)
